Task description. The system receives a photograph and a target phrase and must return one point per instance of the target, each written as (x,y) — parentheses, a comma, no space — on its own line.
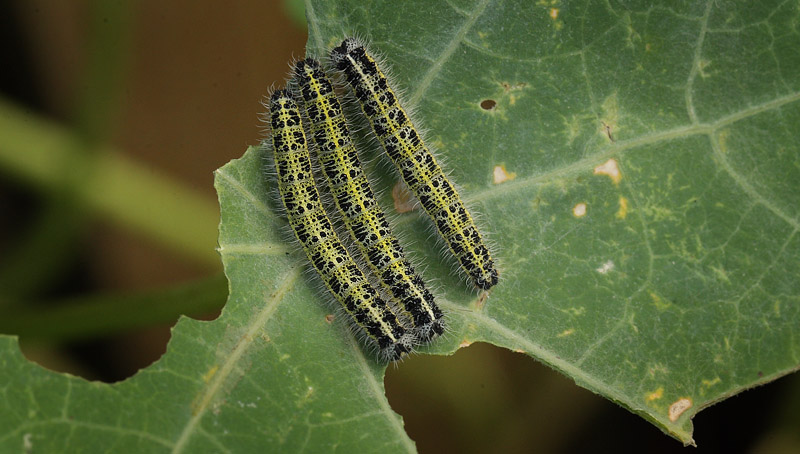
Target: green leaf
(647,226)
(646,232)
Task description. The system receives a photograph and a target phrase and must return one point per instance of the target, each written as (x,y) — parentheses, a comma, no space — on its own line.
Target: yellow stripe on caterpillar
(418,167)
(313,229)
(353,196)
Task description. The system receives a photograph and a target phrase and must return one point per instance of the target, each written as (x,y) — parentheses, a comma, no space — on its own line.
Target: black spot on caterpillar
(356,202)
(419,169)
(316,235)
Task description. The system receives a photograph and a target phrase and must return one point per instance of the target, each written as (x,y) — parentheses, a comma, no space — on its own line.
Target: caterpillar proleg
(314,230)
(356,202)
(419,169)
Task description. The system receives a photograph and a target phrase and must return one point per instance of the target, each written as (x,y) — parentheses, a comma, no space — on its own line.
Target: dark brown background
(184,100)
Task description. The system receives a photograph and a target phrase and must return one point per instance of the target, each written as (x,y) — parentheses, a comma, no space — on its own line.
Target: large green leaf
(637,170)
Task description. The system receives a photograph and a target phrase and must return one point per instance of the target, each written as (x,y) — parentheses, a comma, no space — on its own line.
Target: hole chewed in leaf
(579,210)
(501,175)
(605,267)
(678,407)
(611,169)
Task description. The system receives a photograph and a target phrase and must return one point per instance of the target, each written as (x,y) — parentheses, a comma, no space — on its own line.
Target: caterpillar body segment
(313,229)
(417,165)
(353,196)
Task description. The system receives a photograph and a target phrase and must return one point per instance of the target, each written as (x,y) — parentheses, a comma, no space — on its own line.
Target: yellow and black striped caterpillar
(356,202)
(419,169)
(316,235)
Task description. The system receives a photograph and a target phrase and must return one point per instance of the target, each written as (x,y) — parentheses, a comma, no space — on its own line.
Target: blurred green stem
(44,249)
(108,183)
(99,315)
(49,240)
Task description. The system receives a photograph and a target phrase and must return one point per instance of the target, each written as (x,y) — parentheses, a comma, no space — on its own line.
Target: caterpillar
(313,229)
(417,166)
(356,202)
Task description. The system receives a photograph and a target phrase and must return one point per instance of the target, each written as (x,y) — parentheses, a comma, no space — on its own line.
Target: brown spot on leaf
(403,202)
(488,104)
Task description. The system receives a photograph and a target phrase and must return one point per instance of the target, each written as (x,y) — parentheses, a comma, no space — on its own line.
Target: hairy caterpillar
(354,198)
(313,229)
(419,169)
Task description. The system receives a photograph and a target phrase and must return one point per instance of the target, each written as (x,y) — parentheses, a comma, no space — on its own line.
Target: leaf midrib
(208,393)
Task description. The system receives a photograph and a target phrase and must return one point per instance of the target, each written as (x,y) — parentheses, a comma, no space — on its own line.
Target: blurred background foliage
(113,116)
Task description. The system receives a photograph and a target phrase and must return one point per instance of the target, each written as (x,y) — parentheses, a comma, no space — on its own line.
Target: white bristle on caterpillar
(417,166)
(307,217)
(356,203)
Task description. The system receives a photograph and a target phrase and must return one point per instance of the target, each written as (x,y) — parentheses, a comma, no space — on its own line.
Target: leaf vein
(748,188)
(237,185)
(696,64)
(436,68)
(228,367)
